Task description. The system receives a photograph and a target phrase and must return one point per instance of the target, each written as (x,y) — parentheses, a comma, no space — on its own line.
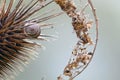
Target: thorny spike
(46,18)
(25,11)
(3,7)
(9,7)
(13,14)
(32,12)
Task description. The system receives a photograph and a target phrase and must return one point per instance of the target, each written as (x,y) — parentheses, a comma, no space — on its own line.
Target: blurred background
(105,63)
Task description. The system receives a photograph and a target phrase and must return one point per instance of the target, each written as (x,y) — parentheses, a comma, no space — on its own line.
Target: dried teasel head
(16,31)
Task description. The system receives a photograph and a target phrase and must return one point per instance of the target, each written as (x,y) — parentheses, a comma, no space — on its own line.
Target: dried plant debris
(81,56)
(17,31)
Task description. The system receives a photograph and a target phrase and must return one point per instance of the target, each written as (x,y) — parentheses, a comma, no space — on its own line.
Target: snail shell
(32,30)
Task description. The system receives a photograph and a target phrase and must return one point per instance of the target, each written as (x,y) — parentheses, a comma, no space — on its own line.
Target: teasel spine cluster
(17,32)
(80,57)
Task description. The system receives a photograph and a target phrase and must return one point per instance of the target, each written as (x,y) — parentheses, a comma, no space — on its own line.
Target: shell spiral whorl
(32,30)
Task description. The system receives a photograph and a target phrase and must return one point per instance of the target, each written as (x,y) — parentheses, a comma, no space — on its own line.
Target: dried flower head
(16,31)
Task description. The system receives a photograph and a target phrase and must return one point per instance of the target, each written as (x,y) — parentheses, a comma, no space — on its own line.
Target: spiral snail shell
(32,30)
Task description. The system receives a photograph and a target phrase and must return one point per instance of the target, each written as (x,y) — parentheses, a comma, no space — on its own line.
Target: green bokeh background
(105,64)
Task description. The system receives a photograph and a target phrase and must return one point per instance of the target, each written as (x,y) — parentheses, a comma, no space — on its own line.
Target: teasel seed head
(16,32)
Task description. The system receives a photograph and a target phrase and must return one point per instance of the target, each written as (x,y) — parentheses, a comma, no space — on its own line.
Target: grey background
(105,64)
